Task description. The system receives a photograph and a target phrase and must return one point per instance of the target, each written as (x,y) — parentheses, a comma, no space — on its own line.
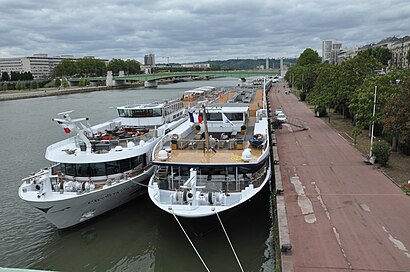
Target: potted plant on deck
(243,129)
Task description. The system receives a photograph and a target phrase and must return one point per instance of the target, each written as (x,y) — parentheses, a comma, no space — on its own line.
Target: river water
(135,237)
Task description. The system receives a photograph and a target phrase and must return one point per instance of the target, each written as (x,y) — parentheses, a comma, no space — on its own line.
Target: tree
(57,83)
(5,76)
(309,56)
(20,85)
(396,113)
(382,54)
(381,151)
(133,67)
(67,67)
(116,65)
(33,84)
(64,83)
(323,93)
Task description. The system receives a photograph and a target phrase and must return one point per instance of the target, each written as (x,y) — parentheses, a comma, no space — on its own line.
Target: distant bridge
(170,75)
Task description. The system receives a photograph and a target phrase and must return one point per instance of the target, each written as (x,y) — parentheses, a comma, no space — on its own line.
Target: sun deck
(223,147)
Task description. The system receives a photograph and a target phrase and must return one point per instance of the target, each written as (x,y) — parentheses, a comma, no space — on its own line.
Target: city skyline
(181,31)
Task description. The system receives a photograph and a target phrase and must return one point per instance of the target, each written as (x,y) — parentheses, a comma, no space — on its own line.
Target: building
(399,50)
(346,54)
(330,50)
(149,60)
(41,66)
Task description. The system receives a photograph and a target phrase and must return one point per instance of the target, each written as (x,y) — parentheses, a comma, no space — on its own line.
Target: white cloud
(194,30)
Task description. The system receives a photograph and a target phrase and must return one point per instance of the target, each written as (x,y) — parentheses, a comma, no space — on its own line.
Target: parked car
(281,117)
(278,110)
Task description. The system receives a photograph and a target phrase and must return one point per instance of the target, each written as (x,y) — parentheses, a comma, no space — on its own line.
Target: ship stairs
(162,176)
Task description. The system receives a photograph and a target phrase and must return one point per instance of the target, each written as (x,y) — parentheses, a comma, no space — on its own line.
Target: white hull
(69,209)
(200,208)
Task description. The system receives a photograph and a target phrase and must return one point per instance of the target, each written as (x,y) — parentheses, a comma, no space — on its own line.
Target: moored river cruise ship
(100,167)
(215,163)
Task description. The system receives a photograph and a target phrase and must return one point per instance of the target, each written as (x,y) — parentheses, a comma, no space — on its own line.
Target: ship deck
(224,148)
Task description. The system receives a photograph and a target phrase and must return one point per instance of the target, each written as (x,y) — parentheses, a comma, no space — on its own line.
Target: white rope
(196,251)
(140,184)
(227,237)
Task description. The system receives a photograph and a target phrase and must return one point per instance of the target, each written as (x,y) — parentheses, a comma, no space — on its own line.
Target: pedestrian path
(342,214)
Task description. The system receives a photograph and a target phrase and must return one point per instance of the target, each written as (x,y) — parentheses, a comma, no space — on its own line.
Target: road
(343,214)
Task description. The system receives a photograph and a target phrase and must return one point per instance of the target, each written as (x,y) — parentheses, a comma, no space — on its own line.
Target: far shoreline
(44,92)
(57,92)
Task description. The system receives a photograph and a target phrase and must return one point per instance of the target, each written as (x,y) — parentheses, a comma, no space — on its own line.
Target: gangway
(296,123)
(291,121)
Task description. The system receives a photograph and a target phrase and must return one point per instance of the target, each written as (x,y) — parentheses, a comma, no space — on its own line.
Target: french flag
(195,118)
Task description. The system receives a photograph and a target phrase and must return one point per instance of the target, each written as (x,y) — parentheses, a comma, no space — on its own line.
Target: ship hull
(201,226)
(79,208)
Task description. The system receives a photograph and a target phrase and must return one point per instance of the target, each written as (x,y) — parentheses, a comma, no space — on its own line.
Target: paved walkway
(343,215)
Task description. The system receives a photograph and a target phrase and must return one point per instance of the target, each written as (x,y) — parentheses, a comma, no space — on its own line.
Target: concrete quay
(335,212)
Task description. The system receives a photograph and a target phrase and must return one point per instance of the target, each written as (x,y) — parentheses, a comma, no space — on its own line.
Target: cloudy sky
(194,30)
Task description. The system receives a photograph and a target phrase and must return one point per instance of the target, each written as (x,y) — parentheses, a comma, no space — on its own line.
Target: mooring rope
(227,237)
(140,184)
(196,251)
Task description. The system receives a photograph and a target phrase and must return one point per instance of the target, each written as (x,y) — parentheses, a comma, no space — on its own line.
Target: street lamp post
(374,113)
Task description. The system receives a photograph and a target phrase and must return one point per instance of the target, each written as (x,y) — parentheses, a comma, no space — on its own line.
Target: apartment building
(330,50)
(41,66)
(399,50)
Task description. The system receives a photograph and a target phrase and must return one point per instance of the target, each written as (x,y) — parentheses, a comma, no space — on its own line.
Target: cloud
(189,31)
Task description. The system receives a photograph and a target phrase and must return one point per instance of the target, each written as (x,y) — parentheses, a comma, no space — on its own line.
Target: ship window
(137,161)
(70,169)
(214,116)
(98,169)
(125,165)
(82,170)
(234,116)
(157,112)
(112,167)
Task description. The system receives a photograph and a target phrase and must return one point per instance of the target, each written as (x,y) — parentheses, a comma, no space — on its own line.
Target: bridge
(151,79)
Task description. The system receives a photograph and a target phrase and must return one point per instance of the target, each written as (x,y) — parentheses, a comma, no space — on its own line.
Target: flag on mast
(194,117)
(226,120)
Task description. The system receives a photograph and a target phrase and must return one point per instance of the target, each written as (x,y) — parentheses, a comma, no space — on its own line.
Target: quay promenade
(342,214)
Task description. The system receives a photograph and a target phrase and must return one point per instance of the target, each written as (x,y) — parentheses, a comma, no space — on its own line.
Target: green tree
(67,67)
(57,82)
(20,85)
(33,84)
(65,83)
(309,56)
(382,54)
(381,150)
(323,93)
(5,76)
(133,67)
(396,113)
(116,65)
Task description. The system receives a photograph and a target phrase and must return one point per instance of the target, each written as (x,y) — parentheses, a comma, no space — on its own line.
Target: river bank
(25,94)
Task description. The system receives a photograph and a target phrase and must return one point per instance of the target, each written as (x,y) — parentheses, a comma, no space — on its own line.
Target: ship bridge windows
(103,169)
(232,116)
(140,113)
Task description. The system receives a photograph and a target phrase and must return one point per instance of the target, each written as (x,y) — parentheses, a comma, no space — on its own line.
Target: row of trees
(95,67)
(15,76)
(349,89)
(20,85)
